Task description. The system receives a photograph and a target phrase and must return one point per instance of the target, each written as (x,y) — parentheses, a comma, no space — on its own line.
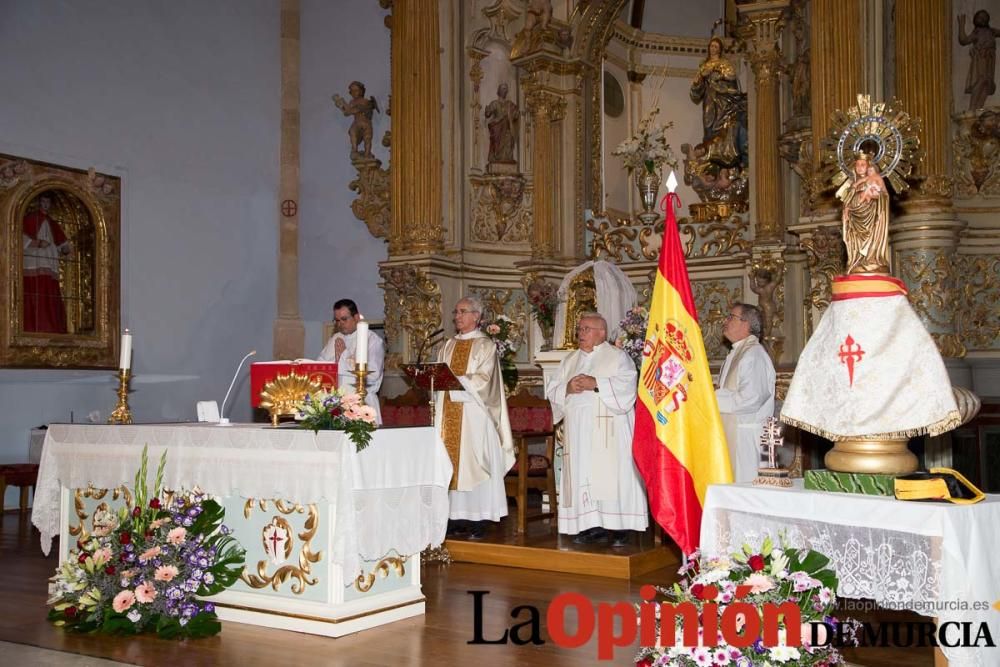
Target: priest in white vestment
(594,392)
(473,424)
(746,390)
(342,349)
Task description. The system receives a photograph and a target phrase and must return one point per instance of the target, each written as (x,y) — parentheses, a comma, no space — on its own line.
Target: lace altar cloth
(392,496)
(922,557)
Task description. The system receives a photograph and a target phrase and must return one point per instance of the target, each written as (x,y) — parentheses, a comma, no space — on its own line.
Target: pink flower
(165,573)
(128,574)
(123,601)
(759,583)
(348,401)
(367,413)
(145,593)
(353,412)
(177,535)
(159,522)
(102,556)
(149,554)
(493,329)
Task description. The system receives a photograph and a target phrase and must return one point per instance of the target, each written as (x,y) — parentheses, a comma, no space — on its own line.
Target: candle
(125,361)
(361,353)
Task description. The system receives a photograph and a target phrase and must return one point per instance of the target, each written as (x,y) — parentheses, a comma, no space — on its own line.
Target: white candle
(361,353)
(125,360)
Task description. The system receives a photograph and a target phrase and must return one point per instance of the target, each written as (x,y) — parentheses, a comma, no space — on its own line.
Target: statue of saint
(980,83)
(724,109)
(763,284)
(866,219)
(362,109)
(502,118)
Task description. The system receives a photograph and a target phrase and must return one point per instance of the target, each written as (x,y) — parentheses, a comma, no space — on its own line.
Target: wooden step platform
(541,548)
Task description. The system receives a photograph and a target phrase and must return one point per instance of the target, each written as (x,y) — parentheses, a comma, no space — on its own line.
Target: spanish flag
(679,445)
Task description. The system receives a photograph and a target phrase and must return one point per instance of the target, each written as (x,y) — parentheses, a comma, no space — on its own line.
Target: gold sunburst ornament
(286,394)
(884,131)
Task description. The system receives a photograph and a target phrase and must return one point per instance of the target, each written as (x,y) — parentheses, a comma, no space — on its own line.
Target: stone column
(289,333)
(416,129)
(925,239)
(763,22)
(546,110)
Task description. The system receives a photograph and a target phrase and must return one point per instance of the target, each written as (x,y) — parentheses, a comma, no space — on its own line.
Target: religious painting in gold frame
(61,266)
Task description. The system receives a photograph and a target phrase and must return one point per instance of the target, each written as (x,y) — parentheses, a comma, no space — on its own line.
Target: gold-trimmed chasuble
(451,426)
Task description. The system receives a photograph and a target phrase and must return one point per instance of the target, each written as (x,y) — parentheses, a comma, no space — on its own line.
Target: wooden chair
(531,418)
(23,475)
(409,409)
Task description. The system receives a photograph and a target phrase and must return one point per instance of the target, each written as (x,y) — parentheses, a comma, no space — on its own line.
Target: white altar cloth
(392,496)
(902,555)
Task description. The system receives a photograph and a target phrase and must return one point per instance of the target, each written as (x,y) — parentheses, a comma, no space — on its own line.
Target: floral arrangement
(144,569)
(632,333)
(648,148)
(504,333)
(339,411)
(770,576)
(543,298)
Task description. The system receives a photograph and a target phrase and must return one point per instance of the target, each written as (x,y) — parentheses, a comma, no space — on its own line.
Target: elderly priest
(594,391)
(473,424)
(746,389)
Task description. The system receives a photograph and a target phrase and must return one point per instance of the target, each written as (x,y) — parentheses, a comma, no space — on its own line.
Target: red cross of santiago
(850,354)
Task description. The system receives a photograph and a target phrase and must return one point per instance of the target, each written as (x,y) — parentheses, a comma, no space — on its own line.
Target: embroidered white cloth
(923,557)
(392,496)
(871,370)
(615,296)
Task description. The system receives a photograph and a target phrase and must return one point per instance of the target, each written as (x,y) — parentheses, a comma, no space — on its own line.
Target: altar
(352,524)
(935,559)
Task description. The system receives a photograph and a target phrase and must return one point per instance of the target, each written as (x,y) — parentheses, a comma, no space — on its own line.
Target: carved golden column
(923,65)
(416,129)
(835,65)
(289,333)
(763,22)
(546,110)
(925,239)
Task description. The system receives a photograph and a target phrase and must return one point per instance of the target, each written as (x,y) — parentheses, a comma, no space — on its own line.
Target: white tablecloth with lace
(392,496)
(923,557)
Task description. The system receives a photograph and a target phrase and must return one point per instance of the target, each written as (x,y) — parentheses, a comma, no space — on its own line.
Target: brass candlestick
(361,381)
(122,415)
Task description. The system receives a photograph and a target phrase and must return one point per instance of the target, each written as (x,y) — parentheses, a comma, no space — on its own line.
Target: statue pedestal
(548,361)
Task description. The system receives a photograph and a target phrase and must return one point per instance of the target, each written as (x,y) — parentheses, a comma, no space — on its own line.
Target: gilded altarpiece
(59,290)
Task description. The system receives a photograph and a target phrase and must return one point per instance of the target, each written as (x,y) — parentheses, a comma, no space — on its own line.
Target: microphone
(420,352)
(224,421)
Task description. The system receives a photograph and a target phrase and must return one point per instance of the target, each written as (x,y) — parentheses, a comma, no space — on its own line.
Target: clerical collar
(743,341)
(597,347)
(465,336)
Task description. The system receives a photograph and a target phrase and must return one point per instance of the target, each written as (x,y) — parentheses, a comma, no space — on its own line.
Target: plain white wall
(182,99)
(342,42)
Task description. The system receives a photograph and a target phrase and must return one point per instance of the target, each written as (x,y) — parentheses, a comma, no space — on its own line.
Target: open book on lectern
(433,377)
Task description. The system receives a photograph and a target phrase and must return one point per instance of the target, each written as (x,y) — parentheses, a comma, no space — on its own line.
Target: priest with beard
(474,426)
(594,392)
(342,349)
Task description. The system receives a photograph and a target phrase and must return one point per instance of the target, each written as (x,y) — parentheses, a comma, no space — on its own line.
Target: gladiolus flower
(123,601)
(155,503)
(136,512)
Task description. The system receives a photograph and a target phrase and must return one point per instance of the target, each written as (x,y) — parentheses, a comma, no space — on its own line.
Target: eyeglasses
(582,327)
(734,316)
(462,311)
